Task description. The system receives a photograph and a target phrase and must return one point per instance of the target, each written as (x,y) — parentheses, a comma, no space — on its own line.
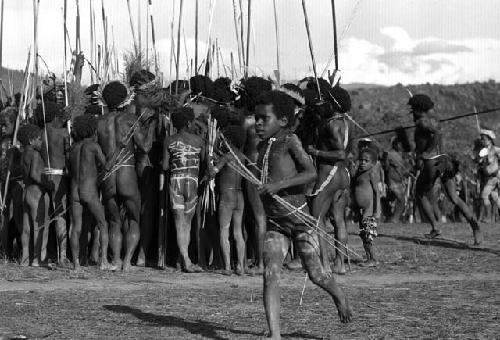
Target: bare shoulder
(294,142)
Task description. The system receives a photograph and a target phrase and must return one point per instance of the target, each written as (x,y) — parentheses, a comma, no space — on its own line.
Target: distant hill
(381,108)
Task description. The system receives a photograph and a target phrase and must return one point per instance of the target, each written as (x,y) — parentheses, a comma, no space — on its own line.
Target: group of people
(268,164)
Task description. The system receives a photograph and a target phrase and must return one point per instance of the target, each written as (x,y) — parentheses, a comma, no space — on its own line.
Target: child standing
(35,199)
(366,199)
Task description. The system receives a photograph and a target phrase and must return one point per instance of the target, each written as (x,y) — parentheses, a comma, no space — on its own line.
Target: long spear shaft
(132,27)
(248,37)
(196,39)
(335,43)
(235,16)
(1,38)
(241,35)
(441,120)
(311,50)
(278,78)
(178,48)
(65,54)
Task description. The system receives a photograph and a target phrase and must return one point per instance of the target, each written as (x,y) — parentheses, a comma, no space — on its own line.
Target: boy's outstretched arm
(306,172)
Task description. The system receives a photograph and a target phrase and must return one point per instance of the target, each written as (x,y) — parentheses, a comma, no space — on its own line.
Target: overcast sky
(386,41)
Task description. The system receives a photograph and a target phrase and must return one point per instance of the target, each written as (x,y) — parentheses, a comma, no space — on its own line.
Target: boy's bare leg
(133,234)
(225,215)
(115,233)
(307,247)
(183,236)
(238,234)
(147,216)
(25,235)
(339,205)
(97,210)
(59,198)
(260,223)
(76,230)
(275,248)
(40,230)
(450,189)
(321,206)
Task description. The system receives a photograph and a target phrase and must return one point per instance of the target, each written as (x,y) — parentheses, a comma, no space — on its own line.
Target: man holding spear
(434,164)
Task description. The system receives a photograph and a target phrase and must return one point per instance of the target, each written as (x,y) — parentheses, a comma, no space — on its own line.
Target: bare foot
(339,266)
(226,272)
(294,265)
(478,236)
(239,271)
(433,234)
(116,266)
(35,263)
(105,266)
(64,263)
(368,264)
(345,311)
(193,268)
(127,267)
(25,262)
(269,335)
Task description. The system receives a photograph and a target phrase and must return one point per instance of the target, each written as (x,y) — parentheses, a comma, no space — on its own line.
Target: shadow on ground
(198,327)
(441,242)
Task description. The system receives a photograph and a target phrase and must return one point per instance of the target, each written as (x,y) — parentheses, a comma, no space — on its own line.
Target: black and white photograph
(249,169)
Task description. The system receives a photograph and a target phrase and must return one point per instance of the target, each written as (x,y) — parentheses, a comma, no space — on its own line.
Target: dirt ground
(422,289)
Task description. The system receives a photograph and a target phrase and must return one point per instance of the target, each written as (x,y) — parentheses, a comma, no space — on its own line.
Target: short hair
(114,94)
(222,92)
(421,102)
(283,104)
(369,151)
(340,99)
(235,135)
(253,87)
(84,126)
(203,84)
(52,110)
(141,77)
(9,114)
(27,133)
(181,117)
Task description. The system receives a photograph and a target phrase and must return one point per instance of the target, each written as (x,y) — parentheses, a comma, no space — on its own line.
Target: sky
(380,41)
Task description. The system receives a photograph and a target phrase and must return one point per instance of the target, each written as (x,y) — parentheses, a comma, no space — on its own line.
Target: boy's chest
(275,159)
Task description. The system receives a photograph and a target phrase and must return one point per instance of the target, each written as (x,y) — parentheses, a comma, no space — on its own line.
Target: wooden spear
(139,24)
(1,38)
(147,33)
(178,48)
(335,43)
(78,41)
(92,73)
(241,35)
(196,39)
(249,23)
(35,48)
(153,40)
(236,30)
(132,28)
(278,75)
(311,50)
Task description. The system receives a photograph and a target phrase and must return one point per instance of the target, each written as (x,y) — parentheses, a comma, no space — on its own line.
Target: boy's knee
(272,272)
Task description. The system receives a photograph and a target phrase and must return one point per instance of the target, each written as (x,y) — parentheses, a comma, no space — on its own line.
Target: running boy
(286,169)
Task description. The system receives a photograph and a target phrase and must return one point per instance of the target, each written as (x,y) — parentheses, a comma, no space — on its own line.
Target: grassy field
(422,289)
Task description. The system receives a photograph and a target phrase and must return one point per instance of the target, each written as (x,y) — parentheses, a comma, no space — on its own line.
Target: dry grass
(440,289)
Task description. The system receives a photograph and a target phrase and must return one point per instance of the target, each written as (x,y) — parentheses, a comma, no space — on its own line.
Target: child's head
(30,134)
(487,137)
(274,111)
(235,134)
(116,95)
(182,118)
(367,159)
(84,126)
(8,121)
(419,105)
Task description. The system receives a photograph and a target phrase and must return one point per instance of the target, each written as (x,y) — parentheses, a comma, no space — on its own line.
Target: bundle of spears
(313,223)
(208,196)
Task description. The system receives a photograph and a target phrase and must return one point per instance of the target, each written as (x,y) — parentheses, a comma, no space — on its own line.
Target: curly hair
(253,87)
(27,133)
(283,104)
(52,110)
(222,92)
(203,84)
(114,94)
(181,117)
(370,151)
(8,114)
(84,126)
(141,77)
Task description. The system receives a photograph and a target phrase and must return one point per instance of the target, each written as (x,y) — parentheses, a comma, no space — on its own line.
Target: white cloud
(413,61)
